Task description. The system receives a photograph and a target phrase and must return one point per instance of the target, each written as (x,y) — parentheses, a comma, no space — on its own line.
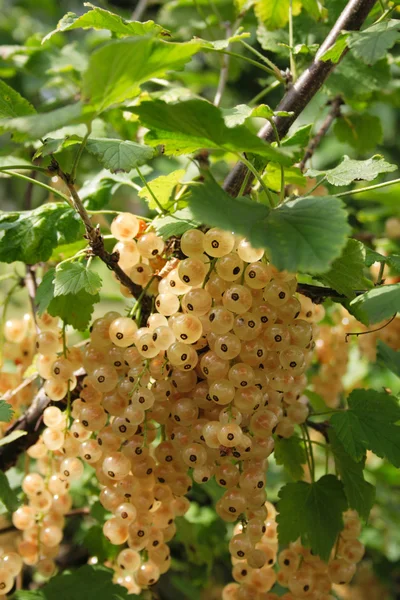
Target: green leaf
(119,155)
(237,115)
(393,260)
(389,357)
(334,53)
(6,412)
(211,205)
(313,512)
(300,138)
(368,424)
(175,224)
(273,41)
(34,127)
(290,453)
(378,304)
(98,18)
(272,13)
(355,170)
(361,131)
(184,127)
(293,176)
(372,44)
(162,188)
(74,309)
(90,582)
(116,70)
(346,272)
(71,278)
(31,235)
(359,493)
(313,8)
(306,234)
(12,104)
(355,80)
(11,437)
(7,496)
(223,44)
(98,545)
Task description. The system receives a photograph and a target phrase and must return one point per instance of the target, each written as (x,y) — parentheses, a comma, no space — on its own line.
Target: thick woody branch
(318,293)
(309,83)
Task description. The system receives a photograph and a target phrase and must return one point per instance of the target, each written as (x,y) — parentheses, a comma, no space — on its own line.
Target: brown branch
(322,428)
(304,89)
(334,112)
(31,422)
(318,293)
(96,243)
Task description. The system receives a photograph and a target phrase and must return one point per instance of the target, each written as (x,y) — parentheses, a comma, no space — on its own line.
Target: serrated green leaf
(119,155)
(290,453)
(90,582)
(293,176)
(72,277)
(334,53)
(34,127)
(369,424)
(117,69)
(30,236)
(362,131)
(372,44)
(175,224)
(162,188)
(354,170)
(312,512)
(346,273)
(354,80)
(74,309)
(272,13)
(99,18)
(393,260)
(359,493)
(273,41)
(12,104)
(223,44)
(378,304)
(300,137)
(45,291)
(184,127)
(389,357)
(7,496)
(313,8)
(54,145)
(6,412)
(306,234)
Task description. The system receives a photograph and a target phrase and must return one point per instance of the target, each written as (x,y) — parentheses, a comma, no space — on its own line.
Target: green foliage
(162,188)
(6,411)
(98,18)
(369,424)
(184,127)
(119,155)
(353,170)
(377,304)
(7,496)
(12,104)
(30,236)
(274,14)
(361,131)
(74,308)
(312,512)
(359,493)
(393,260)
(346,273)
(116,70)
(290,453)
(176,224)
(389,357)
(71,278)
(372,44)
(90,582)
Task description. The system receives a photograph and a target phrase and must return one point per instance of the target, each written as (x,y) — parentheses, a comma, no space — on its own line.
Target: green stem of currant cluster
(162,209)
(136,306)
(80,152)
(255,63)
(258,177)
(210,270)
(291,42)
(254,101)
(309,451)
(368,188)
(64,340)
(282,168)
(268,62)
(38,183)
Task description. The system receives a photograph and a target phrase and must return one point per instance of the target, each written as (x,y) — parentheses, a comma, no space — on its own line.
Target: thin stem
(244,184)
(115,212)
(368,188)
(321,414)
(223,76)
(80,151)
(162,209)
(357,333)
(307,436)
(39,183)
(23,167)
(306,448)
(255,63)
(64,340)
(278,141)
(139,10)
(291,42)
(318,183)
(135,307)
(380,274)
(259,179)
(4,314)
(264,93)
(264,59)
(7,276)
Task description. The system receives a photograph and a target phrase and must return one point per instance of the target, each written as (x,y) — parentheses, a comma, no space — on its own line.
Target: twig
(304,89)
(322,428)
(31,287)
(357,333)
(223,76)
(318,293)
(96,242)
(11,393)
(139,10)
(368,188)
(334,112)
